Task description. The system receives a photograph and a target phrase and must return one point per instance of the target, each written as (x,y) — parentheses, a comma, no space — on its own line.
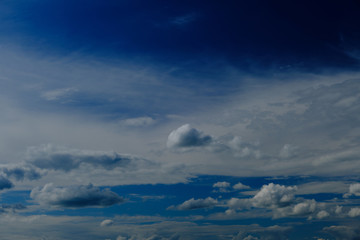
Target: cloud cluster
(354,189)
(186,136)
(75,196)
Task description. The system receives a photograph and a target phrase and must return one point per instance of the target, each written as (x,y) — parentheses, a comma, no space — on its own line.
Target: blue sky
(128,120)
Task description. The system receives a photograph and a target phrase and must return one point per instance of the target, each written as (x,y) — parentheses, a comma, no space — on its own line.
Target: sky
(179,120)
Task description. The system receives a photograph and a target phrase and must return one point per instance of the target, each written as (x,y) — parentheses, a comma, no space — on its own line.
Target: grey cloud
(186,136)
(57,158)
(75,196)
(21,172)
(138,122)
(343,232)
(354,212)
(5,183)
(196,204)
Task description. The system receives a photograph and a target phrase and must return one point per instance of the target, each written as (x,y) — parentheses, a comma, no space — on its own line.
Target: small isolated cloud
(354,189)
(354,212)
(106,223)
(240,186)
(186,136)
(196,204)
(274,195)
(5,183)
(222,186)
(58,94)
(138,122)
(74,196)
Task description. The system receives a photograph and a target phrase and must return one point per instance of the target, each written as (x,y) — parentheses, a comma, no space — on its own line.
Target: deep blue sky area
(307,35)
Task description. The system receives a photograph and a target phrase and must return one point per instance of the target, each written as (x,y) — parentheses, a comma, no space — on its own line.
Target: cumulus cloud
(66,159)
(5,183)
(106,223)
(186,136)
(354,189)
(196,204)
(274,195)
(354,212)
(75,196)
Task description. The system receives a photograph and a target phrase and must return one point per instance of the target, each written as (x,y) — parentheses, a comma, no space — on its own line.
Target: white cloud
(196,204)
(186,136)
(106,223)
(221,185)
(240,186)
(354,212)
(274,195)
(322,214)
(75,196)
(354,189)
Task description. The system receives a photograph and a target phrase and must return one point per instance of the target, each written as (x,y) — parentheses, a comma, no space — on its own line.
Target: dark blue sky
(303,35)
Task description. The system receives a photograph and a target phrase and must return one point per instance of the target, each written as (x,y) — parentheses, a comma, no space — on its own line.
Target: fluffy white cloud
(354,212)
(221,185)
(186,136)
(274,196)
(354,189)
(196,204)
(75,196)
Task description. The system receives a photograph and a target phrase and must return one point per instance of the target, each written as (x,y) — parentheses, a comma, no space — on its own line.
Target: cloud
(186,136)
(58,94)
(75,196)
(5,183)
(106,223)
(343,232)
(322,214)
(354,212)
(243,149)
(240,186)
(66,159)
(196,204)
(222,186)
(138,122)
(21,172)
(354,189)
(274,196)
